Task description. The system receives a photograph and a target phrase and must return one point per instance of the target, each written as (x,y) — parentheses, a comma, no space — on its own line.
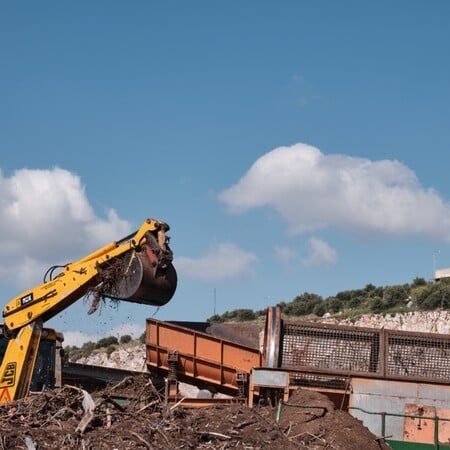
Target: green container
(402,445)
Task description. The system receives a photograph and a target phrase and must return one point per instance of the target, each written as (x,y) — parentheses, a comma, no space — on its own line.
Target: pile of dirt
(312,419)
(133,415)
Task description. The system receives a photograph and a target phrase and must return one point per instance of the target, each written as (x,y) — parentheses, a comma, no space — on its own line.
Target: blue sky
(291,146)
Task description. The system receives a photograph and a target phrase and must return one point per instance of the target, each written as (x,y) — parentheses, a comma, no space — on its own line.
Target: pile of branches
(128,415)
(133,415)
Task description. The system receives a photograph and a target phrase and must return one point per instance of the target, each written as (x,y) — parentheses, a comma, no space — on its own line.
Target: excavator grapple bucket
(145,282)
(147,276)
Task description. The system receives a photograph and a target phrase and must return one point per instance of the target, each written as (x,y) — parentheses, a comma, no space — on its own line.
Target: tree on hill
(434,296)
(419,294)
(302,305)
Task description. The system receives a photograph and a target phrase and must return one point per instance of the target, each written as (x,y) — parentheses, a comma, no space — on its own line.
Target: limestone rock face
(422,321)
(127,358)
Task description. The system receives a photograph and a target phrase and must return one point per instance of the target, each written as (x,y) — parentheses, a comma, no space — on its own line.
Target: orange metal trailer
(191,355)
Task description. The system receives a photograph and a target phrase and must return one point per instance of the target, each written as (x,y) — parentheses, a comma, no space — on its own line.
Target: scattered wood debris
(133,415)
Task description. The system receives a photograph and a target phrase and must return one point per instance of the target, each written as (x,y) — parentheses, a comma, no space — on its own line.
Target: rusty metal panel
(444,425)
(182,339)
(419,429)
(205,347)
(243,358)
(371,396)
(199,355)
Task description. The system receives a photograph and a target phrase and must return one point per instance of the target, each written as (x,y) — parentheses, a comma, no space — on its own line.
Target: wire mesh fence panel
(334,349)
(318,380)
(330,349)
(421,356)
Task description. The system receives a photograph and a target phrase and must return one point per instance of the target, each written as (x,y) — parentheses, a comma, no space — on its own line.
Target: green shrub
(87,348)
(106,342)
(125,339)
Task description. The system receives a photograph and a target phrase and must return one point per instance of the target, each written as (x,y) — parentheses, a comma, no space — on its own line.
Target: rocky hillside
(128,357)
(422,321)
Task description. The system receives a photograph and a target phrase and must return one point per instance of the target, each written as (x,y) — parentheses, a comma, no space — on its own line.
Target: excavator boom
(138,268)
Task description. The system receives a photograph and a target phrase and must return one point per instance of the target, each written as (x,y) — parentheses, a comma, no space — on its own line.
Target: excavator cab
(47,370)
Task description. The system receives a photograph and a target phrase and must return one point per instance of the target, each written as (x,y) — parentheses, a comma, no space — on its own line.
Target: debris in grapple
(138,277)
(109,277)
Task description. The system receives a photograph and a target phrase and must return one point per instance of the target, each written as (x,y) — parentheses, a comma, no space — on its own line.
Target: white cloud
(284,254)
(312,191)
(47,219)
(320,254)
(225,261)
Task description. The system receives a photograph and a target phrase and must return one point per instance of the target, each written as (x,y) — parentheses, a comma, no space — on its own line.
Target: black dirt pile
(132,415)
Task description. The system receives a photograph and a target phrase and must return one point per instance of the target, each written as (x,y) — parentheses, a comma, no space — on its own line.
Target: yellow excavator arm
(138,268)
